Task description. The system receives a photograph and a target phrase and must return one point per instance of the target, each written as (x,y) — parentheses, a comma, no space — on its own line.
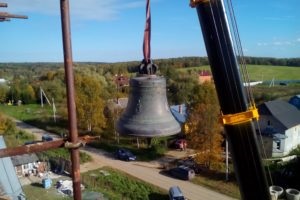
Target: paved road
(147,171)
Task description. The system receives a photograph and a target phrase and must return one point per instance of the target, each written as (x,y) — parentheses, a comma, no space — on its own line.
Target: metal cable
(245,75)
(233,97)
(240,54)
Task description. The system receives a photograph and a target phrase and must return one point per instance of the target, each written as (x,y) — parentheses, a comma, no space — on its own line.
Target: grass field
(34,114)
(267,73)
(215,180)
(110,182)
(263,72)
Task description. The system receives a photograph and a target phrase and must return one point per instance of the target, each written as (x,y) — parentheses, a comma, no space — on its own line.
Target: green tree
(204,130)
(3,93)
(89,103)
(28,94)
(179,85)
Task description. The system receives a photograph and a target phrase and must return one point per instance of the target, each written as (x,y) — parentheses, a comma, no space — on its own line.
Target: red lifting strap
(147,34)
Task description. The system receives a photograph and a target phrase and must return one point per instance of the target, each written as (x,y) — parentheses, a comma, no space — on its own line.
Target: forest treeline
(181,62)
(26,79)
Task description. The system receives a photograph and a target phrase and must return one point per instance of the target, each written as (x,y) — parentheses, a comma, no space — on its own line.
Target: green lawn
(27,112)
(34,114)
(263,72)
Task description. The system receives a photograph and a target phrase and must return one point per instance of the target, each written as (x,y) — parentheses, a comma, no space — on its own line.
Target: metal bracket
(239,118)
(71,145)
(194,3)
(81,143)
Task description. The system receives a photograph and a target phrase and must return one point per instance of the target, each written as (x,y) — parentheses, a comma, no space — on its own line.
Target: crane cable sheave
(194,3)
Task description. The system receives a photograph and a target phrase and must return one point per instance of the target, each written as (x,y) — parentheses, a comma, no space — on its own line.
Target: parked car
(179,144)
(31,142)
(46,138)
(124,154)
(175,193)
(182,172)
(191,163)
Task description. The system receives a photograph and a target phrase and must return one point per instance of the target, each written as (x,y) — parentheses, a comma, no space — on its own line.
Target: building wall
(203,79)
(286,145)
(269,121)
(31,168)
(292,140)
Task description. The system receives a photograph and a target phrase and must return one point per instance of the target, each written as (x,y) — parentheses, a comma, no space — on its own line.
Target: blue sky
(112,30)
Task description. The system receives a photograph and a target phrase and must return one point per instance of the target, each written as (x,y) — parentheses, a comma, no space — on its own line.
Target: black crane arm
(225,69)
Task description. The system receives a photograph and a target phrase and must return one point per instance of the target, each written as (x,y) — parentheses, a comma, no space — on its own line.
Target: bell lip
(142,130)
(148,135)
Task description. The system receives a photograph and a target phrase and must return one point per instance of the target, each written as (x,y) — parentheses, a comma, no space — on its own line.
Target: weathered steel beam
(3,5)
(8,15)
(4,19)
(68,64)
(43,146)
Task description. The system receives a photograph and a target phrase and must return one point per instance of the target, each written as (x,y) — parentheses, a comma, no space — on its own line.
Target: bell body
(147,113)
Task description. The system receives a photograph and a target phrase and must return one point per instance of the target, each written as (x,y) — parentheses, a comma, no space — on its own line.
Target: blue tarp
(179,112)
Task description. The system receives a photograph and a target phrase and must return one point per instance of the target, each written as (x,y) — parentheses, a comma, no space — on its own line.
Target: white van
(175,193)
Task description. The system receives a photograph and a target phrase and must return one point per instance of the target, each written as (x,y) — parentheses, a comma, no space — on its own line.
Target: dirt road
(150,173)
(147,171)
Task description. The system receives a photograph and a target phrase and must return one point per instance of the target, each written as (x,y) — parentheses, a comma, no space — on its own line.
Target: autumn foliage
(204,129)
(89,103)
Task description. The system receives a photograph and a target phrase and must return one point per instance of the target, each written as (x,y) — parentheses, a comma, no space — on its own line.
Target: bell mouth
(137,129)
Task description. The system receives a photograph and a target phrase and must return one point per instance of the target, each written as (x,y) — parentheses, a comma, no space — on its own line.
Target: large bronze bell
(147,113)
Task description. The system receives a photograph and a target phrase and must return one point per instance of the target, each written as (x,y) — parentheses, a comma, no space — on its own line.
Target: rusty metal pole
(43,146)
(68,63)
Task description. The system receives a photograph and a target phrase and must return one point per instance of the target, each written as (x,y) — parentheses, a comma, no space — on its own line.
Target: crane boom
(225,69)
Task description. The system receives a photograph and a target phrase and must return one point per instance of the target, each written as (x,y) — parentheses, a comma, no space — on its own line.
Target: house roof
(9,182)
(179,112)
(287,114)
(24,159)
(204,73)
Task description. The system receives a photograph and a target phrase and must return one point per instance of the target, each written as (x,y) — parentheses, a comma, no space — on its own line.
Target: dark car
(124,154)
(191,163)
(31,142)
(182,172)
(46,138)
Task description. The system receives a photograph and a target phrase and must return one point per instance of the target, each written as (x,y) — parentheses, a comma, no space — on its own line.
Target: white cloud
(282,43)
(82,9)
(262,44)
(281,18)
(298,40)
(277,43)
